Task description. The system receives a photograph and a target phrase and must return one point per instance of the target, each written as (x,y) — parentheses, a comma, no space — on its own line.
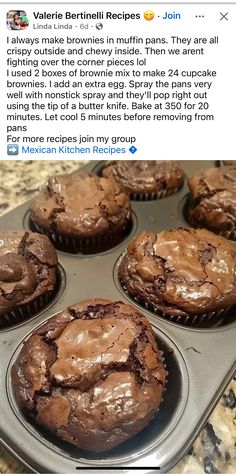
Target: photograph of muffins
(28,275)
(81,212)
(185,275)
(212,202)
(92,374)
(145,180)
(35,424)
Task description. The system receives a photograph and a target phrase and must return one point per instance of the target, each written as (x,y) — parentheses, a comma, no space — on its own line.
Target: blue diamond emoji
(133,149)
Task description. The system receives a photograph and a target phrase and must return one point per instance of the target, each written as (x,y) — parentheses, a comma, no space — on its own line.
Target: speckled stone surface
(19,181)
(214,451)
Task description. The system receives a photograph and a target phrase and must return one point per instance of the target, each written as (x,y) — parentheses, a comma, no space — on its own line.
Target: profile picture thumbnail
(17,20)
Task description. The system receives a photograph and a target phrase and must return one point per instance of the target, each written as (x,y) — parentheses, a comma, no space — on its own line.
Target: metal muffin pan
(200,362)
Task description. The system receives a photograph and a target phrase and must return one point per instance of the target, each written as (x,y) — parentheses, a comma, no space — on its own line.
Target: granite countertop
(214,451)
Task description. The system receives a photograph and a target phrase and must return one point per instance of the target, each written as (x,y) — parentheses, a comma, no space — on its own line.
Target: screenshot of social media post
(121,81)
(117,237)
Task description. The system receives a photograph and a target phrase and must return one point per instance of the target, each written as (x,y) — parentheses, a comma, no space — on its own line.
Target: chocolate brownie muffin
(82,212)
(146,179)
(92,374)
(28,267)
(213,200)
(186,275)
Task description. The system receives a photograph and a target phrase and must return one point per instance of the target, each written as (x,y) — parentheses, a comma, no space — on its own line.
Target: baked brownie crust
(213,203)
(180,272)
(81,205)
(92,374)
(145,176)
(28,265)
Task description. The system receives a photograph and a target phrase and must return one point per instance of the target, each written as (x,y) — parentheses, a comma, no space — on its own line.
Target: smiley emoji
(148,15)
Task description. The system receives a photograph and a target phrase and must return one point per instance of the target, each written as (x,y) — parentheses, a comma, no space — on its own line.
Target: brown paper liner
(228,234)
(206,320)
(88,245)
(163,193)
(25,311)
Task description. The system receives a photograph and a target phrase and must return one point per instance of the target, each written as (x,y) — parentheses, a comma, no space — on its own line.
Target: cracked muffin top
(213,199)
(28,263)
(92,374)
(181,272)
(139,176)
(81,205)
